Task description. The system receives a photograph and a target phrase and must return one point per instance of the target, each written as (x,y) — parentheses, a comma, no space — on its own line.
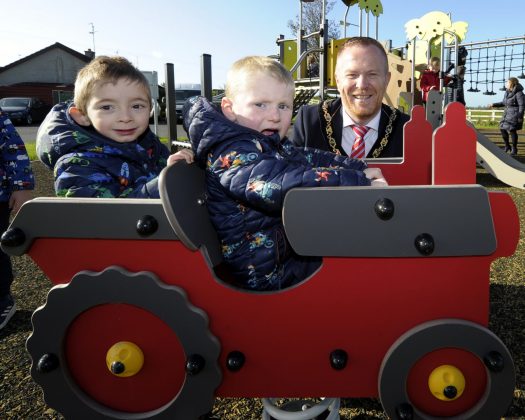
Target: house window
(62,96)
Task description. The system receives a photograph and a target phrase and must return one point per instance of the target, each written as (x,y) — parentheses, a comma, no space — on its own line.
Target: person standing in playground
(512,121)
(251,165)
(430,78)
(16,184)
(455,91)
(101,145)
(312,66)
(362,77)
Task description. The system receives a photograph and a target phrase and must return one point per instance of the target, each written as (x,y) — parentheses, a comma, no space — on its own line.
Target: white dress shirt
(348,137)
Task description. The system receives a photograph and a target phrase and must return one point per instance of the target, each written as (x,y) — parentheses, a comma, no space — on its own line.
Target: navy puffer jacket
(88,164)
(248,175)
(514,103)
(15,167)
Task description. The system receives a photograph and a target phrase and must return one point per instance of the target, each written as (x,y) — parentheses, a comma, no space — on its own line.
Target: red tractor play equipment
(140,325)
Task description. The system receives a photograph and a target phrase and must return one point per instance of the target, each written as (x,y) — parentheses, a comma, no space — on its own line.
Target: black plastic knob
(338,359)
(384,208)
(13,237)
(450,392)
(404,412)
(195,364)
(494,361)
(235,361)
(47,363)
(117,368)
(424,244)
(147,225)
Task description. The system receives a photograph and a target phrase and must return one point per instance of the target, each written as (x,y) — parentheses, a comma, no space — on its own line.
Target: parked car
(26,110)
(184,91)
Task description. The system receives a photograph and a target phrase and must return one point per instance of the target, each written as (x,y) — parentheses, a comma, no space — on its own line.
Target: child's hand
(18,198)
(183,154)
(376,177)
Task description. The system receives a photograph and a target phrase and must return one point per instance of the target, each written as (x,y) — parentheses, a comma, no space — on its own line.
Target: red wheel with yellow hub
(447,368)
(116,344)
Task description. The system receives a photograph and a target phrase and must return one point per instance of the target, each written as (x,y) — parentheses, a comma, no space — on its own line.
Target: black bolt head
(118,367)
(424,244)
(13,237)
(338,359)
(147,225)
(494,361)
(384,208)
(47,363)
(235,361)
(195,364)
(404,412)
(450,392)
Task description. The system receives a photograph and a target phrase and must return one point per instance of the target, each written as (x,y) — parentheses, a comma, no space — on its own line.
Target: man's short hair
(363,41)
(102,70)
(254,64)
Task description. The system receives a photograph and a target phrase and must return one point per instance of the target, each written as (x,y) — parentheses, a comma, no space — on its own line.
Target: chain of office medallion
(330,131)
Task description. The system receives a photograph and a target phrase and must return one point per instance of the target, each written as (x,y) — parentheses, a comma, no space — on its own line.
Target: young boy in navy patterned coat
(251,165)
(16,183)
(101,145)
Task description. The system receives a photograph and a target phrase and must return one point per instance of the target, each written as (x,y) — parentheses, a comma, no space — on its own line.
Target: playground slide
(499,164)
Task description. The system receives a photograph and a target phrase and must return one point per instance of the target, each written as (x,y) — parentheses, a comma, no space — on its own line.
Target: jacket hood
(60,135)
(207,127)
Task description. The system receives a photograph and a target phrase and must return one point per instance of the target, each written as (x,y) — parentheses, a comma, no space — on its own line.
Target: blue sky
(153,32)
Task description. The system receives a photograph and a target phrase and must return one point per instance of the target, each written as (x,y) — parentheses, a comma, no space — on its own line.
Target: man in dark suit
(362,77)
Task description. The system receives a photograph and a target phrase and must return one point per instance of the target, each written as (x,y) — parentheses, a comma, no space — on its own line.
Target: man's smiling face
(362,78)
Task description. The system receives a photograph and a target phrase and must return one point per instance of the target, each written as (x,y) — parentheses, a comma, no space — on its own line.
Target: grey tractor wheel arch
(446,333)
(116,285)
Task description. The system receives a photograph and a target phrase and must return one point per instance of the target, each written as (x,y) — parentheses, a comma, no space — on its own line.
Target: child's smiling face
(119,111)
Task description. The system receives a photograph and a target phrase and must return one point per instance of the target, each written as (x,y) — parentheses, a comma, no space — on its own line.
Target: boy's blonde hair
(102,70)
(251,65)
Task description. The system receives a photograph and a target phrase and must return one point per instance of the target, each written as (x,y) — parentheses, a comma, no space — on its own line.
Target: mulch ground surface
(21,398)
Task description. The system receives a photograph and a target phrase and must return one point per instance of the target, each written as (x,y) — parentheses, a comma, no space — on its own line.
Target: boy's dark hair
(102,70)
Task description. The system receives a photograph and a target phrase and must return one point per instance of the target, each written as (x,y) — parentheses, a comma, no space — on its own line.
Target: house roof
(68,50)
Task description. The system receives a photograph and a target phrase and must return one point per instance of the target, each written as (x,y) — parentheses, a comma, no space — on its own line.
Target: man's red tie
(358,149)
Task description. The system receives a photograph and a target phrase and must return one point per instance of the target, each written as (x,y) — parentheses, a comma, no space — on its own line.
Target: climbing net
(490,63)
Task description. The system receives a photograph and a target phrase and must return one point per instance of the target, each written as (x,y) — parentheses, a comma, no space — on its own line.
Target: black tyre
(69,350)
(456,346)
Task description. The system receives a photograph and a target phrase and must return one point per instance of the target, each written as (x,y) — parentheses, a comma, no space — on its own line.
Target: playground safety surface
(21,398)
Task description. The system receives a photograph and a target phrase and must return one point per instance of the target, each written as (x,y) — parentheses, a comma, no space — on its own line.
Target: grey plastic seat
(183,195)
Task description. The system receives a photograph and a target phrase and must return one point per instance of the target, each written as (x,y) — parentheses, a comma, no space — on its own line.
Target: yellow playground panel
(331,59)
(290,56)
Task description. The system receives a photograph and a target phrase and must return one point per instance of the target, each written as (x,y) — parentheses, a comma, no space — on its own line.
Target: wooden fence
(484,116)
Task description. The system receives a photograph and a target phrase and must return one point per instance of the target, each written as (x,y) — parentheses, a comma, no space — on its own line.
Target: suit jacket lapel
(383,121)
(337,122)
(334,109)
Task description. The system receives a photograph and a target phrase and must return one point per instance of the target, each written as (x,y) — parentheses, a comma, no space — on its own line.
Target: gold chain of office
(330,131)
